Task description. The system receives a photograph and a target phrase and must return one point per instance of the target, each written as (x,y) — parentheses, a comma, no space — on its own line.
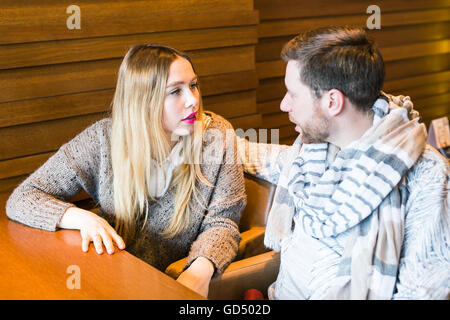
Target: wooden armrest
(176,268)
(257,272)
(252,243)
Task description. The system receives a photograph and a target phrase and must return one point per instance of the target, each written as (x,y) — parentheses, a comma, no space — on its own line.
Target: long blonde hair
(138,136)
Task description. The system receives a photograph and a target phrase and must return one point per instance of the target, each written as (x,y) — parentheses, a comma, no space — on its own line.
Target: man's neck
(350,127)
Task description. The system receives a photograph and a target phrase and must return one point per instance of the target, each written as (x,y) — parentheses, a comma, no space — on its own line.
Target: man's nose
(285,105)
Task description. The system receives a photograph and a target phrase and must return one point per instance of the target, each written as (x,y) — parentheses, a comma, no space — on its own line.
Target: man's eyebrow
(176,83)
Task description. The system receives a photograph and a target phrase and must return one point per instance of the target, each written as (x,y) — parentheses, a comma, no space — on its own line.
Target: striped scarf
(358,192)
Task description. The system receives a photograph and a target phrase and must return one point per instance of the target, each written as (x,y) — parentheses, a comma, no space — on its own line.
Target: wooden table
(38,264)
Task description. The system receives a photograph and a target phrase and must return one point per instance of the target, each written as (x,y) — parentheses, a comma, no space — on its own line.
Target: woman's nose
(191,99)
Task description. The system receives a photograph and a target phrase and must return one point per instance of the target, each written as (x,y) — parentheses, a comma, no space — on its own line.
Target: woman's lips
(190,118)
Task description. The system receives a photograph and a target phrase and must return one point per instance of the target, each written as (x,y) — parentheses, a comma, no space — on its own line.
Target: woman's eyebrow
(176,83)
(173,84)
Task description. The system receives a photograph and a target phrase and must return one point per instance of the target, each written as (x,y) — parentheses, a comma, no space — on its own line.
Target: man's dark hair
(342,58)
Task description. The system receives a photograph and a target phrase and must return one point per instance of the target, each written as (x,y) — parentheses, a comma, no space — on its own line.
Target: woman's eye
(175,92)
(194,85)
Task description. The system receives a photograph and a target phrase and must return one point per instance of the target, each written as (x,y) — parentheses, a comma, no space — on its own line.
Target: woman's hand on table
(93,229)
(198,276)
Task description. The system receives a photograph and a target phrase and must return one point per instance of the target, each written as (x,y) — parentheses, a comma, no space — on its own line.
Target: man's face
(303,107)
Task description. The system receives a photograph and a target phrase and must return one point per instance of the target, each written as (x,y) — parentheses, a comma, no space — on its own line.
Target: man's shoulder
(430,167)
(427,184)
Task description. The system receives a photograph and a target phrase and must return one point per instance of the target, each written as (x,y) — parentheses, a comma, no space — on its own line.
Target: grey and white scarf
(358,190)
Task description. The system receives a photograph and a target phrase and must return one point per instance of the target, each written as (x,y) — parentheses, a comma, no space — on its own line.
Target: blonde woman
(145,167)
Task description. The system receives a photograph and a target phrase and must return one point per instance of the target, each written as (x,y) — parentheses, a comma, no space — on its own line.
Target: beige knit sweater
(85,163)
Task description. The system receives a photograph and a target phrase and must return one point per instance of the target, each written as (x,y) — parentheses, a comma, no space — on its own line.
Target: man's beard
(317,130)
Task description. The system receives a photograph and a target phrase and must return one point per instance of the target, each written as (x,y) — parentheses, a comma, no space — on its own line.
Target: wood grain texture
(62,79)
(76,50)
(413,39)
(282,9)
(38,263)
(24,21)
(274,28)
(56,81)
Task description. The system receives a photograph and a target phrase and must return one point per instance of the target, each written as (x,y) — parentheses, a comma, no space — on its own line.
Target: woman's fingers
(100,233)
(107,242)
(97,239)
(85,244)
(118,239)
(115,237)
(103,238)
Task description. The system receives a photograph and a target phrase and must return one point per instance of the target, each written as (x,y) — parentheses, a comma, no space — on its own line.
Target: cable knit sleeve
(425,262)
(263,160)
(41,200)
(219,235)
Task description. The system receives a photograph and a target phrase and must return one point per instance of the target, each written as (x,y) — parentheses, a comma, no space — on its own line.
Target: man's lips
(190,118)
(291,119)
(297,127)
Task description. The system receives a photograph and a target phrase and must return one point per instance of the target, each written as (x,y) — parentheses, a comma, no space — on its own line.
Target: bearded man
(361,209)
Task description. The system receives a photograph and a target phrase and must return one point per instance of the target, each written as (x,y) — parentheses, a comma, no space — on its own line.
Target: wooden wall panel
(285,9)
(414,41)
(55,82)
(58,79)
(76,50)
(30,21)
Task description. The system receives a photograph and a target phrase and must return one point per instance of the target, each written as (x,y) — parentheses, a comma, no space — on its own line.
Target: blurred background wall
(413,39)
(55,81)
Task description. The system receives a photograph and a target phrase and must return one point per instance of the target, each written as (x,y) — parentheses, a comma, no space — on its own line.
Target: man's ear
(335,102)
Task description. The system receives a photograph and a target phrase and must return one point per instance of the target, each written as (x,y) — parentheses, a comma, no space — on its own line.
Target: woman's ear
(335,102)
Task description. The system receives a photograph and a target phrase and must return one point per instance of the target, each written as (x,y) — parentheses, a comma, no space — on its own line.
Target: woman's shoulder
(99,128)
(102,125)
(93,136)
(219,132)
(215,121)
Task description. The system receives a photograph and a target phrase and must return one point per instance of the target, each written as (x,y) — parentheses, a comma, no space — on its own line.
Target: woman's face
(182,98)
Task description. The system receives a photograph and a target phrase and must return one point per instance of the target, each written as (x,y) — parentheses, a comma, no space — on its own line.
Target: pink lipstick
(190,118)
